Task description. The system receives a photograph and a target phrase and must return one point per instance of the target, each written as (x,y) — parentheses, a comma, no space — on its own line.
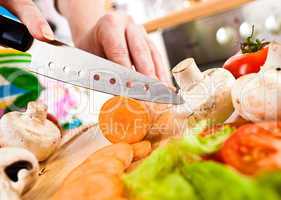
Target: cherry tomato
(254,148)
(242,64)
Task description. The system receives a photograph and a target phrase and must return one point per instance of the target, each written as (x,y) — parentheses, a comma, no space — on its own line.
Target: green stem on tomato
(251,45)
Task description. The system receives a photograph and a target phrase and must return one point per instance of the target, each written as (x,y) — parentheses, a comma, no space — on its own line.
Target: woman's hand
(30,15)
(116,37)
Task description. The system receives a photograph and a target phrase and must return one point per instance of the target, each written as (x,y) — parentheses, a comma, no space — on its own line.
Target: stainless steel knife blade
(61,62)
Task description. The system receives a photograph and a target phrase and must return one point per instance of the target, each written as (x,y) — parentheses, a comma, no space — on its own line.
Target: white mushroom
(18,172)
(207,94)
(257,96)
(30,130)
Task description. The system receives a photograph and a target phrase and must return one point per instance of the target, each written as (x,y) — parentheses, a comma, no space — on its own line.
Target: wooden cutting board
(55,170)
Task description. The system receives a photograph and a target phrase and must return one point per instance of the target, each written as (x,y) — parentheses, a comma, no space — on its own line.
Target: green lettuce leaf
(215,181)
(150,178)
(271,181)
(206,144)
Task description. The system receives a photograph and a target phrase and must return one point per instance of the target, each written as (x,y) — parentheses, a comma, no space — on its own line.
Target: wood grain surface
(55,170)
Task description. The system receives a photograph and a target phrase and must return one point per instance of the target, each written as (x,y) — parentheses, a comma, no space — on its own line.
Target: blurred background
(208,30)
(208,33)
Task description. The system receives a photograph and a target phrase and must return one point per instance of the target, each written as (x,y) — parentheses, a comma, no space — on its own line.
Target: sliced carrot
(107,164)
(124,120)
(141,149)
(168,123)
(98,186)
(121,151)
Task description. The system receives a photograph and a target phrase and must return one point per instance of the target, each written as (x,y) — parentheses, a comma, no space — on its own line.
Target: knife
(61,62)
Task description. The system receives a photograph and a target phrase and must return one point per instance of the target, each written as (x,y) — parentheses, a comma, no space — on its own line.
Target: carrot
(107,164)
(168,123)
(98,186)
(141,149)
(122,151)
(124,120)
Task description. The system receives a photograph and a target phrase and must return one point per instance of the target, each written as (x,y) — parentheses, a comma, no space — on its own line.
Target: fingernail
(47,32)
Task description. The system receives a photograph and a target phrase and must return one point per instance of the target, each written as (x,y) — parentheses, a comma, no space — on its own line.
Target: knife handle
(14,34)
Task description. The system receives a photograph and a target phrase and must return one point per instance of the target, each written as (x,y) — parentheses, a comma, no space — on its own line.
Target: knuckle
(110,19)
(118,52)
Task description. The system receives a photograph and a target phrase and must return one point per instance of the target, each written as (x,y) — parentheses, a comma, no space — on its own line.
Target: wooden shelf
(195,10)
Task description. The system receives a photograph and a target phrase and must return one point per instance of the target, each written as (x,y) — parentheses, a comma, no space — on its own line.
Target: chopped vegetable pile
(172,172)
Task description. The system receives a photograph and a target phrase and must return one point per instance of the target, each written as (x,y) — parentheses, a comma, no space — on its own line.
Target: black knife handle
(14,34)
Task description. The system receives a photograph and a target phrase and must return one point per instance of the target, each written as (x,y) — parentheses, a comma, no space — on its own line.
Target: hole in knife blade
(51,65)
(146,87)
(66,69)
(81,73)
(96,77)
(112,81)
(129,84)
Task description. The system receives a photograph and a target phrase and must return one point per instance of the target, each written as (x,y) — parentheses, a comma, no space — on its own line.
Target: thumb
(30,15)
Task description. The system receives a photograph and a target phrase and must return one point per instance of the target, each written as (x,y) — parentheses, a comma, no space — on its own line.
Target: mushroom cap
(18,171)
(211,97)
(257,97)
(274,56)
(29,130)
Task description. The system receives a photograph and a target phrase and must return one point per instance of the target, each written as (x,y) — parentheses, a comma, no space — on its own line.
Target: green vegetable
(271,181)
(218,182)
(176,172)
(207,144)
(171,186)
(251,45)
(152,177)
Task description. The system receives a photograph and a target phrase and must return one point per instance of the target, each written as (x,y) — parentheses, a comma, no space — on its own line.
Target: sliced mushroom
(18,172)
(257,97)
(207,94)
(30,130)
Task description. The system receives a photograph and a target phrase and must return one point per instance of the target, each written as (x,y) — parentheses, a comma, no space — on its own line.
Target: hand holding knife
(61,62)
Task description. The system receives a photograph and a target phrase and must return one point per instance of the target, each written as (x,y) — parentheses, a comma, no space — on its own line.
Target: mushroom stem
(37,111)
(187,74)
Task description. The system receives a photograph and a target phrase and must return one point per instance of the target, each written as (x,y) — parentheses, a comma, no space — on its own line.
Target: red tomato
(242,64)
(254,148)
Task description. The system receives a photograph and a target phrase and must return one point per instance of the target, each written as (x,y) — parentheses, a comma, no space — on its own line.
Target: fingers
(111,35)
(30,15)
(120,40)
(140,51)
(162,72)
